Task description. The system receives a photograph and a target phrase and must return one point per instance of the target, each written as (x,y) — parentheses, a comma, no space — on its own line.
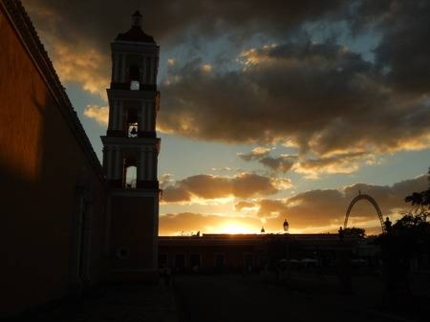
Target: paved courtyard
(114,303)
(235,298)
(257,298)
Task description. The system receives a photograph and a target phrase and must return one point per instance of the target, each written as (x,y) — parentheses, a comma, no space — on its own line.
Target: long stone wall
(52,188)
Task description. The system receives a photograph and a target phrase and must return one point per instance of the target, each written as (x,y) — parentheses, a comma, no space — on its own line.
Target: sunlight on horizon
(231,227)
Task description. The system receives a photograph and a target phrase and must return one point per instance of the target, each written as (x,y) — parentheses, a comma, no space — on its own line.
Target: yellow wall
(41,163)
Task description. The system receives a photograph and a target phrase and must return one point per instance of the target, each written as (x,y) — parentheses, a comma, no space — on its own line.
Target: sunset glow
(290,122)
(232,227)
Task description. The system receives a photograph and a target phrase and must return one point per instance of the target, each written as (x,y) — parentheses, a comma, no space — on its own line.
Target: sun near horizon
(231,227)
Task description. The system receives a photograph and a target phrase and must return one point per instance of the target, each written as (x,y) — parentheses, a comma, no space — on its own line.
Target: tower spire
(136,19)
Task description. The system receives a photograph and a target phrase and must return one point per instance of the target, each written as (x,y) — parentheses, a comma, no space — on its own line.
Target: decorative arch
(375,205)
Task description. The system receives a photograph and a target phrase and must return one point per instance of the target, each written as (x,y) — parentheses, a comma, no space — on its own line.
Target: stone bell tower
(130,155)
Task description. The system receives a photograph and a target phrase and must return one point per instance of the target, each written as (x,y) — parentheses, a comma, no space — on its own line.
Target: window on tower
(130,177)
(132,130)
(134,85)
(132,124)
(129,172)
(134,77)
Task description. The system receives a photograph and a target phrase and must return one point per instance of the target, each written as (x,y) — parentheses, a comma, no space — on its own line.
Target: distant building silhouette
(236,253)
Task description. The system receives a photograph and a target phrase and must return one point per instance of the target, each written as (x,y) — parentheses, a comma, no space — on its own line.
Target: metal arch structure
(375,205)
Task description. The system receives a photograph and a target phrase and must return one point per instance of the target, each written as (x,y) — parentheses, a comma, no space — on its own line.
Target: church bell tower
(130,155)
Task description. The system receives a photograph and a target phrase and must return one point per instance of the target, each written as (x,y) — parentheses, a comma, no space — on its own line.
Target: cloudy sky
(269,109)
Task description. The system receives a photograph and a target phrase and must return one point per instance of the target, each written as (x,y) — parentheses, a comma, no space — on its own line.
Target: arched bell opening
(129,173)
(135,77)
(132,124)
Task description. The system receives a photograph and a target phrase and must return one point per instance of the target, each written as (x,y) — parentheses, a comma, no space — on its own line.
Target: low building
(216,253)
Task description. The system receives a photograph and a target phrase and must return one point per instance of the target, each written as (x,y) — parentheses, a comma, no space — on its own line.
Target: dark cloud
(172,21)
(256,154)
(319,97)
(407,187)
(243,185)
(315,208)
(312,167)
(402,54)
(339,163)
(280,164)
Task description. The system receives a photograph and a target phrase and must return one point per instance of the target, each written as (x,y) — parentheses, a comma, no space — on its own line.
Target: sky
(270,110)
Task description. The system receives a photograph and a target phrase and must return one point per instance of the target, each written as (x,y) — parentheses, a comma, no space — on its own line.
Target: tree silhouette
(413,227)
(415,222)
(354,232)
(421,202)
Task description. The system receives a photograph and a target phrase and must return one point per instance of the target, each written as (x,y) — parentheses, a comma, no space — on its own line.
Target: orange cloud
(243,185)
(82,65)
(244,205)
(75,56)
(311,167)
(98,113)
(343,163)
(315,211)
(256,154)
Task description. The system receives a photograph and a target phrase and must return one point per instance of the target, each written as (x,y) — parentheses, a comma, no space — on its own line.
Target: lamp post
(287,245)
(286,226)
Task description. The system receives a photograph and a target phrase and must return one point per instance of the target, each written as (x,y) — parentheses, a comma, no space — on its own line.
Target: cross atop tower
(137,19)
(136,34)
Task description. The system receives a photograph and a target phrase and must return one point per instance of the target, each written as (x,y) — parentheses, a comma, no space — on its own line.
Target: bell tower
(130,155)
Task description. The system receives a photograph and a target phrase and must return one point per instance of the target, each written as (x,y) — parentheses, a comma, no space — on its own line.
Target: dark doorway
(248,262)
(195,260)
(219,263)
(163,260)
(179,262)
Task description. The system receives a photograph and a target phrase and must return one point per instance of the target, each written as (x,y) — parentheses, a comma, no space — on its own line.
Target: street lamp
(287,245)
(286,226)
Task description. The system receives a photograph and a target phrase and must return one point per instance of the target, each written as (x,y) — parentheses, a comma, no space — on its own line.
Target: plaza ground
(301,297)
(255,297)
